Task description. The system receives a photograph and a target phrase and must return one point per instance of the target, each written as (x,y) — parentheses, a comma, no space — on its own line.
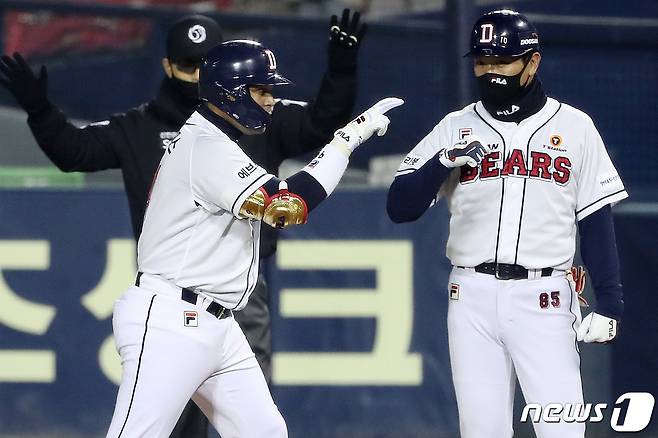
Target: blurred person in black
(134,141)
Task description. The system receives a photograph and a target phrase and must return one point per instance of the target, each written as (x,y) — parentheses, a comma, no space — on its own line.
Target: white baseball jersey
(520,205)
(192,234)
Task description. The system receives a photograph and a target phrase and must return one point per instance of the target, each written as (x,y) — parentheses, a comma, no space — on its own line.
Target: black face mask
(506,99)
(188,92)
(500,90)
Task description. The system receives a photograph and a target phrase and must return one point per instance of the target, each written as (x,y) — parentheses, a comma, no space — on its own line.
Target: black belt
(505,271)
(215,309)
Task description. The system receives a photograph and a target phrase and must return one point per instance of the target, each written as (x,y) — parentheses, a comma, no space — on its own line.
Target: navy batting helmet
(503,33)
(226,74)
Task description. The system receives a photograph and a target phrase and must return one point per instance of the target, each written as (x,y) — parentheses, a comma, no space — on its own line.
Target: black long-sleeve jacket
(134,141)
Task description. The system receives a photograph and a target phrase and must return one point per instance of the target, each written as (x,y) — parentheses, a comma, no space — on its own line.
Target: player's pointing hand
(361,129)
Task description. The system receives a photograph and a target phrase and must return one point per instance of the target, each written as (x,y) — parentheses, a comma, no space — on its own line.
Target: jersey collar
(231,131)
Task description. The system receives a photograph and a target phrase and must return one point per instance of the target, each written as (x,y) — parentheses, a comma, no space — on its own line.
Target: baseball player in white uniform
(520,172)
(198,255)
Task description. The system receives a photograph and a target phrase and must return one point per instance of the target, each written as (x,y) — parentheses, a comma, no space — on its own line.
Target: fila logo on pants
(190,319)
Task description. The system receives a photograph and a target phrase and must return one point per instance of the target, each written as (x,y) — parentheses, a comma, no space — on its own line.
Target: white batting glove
(597,328)
(468,151)
(361,129)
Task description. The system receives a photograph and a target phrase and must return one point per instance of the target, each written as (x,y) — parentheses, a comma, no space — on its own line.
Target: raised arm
(70,148)
(300,129)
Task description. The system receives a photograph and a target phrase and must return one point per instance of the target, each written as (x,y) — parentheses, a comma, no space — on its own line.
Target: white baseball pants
(167,358)
(502,329)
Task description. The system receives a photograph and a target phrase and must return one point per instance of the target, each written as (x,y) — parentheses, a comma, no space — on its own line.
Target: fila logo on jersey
(542,167)
(463,132)
(190,318)
(247,170)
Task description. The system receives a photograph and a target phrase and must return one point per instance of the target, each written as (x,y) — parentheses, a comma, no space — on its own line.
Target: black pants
(255,322)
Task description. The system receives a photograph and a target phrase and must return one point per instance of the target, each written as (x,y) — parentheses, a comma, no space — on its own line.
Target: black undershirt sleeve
(410,195)
(598,248)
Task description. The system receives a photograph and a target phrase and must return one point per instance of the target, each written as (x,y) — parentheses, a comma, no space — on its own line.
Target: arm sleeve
(74,149)
(599,183)
(299,129)
(317,180)
(598,248)
(419,177)
(410,195)
(222,176)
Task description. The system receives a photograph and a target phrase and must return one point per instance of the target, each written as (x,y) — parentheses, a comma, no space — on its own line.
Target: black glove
(30,91)
(344,41)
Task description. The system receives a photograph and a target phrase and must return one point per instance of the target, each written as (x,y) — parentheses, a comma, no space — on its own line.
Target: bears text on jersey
(541,166)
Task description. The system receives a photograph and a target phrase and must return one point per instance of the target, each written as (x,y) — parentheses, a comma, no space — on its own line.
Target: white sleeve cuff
(610,199)
(406,171)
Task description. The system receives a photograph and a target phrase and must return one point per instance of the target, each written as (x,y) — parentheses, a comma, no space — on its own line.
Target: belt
(188,295)
(505,271)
